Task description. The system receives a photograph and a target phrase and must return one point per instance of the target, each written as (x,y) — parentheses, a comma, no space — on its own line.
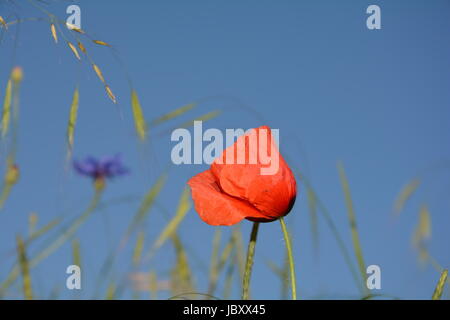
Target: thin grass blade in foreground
(422,234)
(283,274)
(72,122)
(173,114)
(6,115)
(32,223)
(440,286)
(55,244)
(249,263)
(228,280)
(137,252)
(287,240)
(24,269)
(138,115)
(353,226)
(405,194)
(336,234)
(145,207)
(183,208)
(207,116)
(214,257)
(37,233)
(218,265)
(153,285)
(76,253)
(181,275)
(111,291)
(423,229)
(312,204)
(139,217)
(240,254)
(69,232)
(12,170)
(10,179)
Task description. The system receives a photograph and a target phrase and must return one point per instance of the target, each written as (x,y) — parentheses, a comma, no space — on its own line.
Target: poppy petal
(215,207)
(273,195)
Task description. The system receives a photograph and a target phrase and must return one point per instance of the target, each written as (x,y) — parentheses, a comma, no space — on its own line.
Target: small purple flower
(99,169)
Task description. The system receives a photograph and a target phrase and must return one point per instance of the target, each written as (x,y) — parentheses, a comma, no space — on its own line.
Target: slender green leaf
(405,194)
(437,294)
(138,115)
(137,253)
(72,121)
(173,114)
(24,269)
(6,115)
(184,206)
(352,220)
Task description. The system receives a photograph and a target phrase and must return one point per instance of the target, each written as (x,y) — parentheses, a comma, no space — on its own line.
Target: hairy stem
(249,263)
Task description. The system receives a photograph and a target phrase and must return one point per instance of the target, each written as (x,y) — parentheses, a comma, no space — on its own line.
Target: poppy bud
(233,190)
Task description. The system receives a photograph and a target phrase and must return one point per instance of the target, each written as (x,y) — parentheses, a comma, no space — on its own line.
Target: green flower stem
(287,239)
(249,263)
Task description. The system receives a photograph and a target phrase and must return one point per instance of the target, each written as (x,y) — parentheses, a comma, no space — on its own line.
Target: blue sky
(376,100)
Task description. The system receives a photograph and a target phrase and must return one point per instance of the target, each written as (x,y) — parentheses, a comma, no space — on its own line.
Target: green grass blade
(207,116)
(32,223)
(24,269)
(340,242)
(423,229)
(353,225)
(40,232)
(181,276)
(111,291)
(72,122)
(146,204)
(138,115)
(214,257)
(184,206)
(422,233)
(228,281)
(437,294)
(137,252)
(173,114)
(76,252)
(240,252)
(220,264)
(153,285)
(312,204)
(405,194)
(14,273)
(68,233)
(6,115)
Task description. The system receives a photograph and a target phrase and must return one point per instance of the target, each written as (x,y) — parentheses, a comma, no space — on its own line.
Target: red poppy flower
(243,185)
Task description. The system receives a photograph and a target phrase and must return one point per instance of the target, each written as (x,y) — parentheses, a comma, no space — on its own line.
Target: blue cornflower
(101,169)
